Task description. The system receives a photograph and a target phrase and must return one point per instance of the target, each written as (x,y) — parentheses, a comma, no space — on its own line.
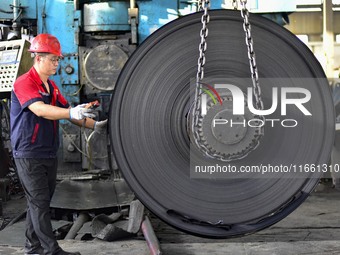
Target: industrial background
(95,198)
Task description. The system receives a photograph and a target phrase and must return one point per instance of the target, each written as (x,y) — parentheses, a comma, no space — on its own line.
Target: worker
(36,107)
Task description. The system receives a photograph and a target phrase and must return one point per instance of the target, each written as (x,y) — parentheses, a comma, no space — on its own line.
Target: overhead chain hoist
(204,7)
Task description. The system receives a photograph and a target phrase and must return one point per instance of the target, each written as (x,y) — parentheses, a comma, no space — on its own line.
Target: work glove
(80,112)
(100,126)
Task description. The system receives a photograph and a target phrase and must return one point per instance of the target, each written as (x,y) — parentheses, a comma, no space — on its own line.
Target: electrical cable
(19,14)
(72,142)
(88,146)
(7,12)
(77,92)
(43,14)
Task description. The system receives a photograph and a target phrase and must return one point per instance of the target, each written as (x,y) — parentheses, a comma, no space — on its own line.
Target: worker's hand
(100,126)
(80,112)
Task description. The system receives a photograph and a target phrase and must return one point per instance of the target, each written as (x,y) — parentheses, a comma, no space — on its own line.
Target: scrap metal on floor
(314,228)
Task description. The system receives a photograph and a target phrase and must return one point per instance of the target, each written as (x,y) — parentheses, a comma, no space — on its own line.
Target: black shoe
(37,251)
(62,252)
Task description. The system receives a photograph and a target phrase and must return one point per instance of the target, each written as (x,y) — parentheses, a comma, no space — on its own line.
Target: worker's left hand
(100,126)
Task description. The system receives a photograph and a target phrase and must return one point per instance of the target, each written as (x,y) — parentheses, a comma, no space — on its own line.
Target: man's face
(48,63)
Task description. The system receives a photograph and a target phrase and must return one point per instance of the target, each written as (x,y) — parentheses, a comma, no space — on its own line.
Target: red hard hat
(46,43)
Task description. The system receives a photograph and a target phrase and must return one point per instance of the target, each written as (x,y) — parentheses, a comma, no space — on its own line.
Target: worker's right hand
(80,112)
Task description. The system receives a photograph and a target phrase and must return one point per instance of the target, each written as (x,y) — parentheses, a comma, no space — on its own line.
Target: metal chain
(251,56)
(196,112)
(253,68)
(235,4)
(199,5)
(203,6)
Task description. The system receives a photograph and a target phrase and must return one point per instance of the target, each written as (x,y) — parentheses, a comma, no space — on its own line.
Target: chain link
(235,4)
(196,112)
(203,6)
(251,56)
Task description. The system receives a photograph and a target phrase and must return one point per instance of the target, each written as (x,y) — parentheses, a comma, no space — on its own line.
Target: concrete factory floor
(314,228)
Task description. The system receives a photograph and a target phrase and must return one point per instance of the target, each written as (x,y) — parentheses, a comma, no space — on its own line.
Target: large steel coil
(149,136)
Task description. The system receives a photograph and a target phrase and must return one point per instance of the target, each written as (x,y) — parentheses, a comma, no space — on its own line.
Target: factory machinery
(171,77)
